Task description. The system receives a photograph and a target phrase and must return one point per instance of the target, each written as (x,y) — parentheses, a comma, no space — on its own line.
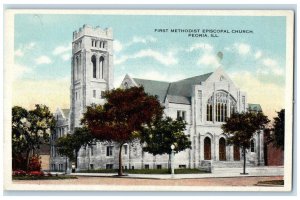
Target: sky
(255,61)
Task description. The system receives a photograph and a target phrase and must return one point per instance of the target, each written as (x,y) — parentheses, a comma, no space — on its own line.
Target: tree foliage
(70,144)
(278,124)
(123,116)
(30,129)
(240,128)
(162,134)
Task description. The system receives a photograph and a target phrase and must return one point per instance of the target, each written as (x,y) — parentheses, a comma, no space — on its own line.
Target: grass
(43,177)
(146,171)
(272,182)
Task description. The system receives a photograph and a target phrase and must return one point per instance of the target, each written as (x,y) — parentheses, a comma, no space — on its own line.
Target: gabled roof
(176,92)
(254,107)
(184,87)
(151,87)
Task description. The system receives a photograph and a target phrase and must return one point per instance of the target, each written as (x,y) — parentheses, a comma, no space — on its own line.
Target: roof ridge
(193,77)
(151,80)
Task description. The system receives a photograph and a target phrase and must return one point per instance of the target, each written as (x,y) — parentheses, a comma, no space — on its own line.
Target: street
(82,180)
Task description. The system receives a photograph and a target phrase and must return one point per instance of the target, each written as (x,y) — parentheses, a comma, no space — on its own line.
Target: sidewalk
(217,173)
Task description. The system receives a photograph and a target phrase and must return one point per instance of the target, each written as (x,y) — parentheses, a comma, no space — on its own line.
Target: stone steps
(230,164)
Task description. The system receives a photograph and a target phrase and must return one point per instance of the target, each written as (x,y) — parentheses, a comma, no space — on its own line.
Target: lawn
(146,171)
(26,177)
(272,182)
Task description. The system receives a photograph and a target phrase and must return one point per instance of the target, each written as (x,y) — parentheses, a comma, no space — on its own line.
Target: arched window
(76,68)
(209,109)
(94,66)
(220,106)
(207,148)
(222,149)
(101,65)
(252,145)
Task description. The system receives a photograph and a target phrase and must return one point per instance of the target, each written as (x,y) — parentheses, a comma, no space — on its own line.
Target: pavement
(216,173)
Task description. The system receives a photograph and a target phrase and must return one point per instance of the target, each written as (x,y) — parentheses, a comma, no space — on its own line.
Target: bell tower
(92,69)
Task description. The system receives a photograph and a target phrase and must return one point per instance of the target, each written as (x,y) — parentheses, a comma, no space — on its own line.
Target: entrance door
(222,149)
(236,153)
(207,149)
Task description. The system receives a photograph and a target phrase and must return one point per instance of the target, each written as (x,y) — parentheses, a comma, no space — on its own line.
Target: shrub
(35,173)
(34,163)
(19,173)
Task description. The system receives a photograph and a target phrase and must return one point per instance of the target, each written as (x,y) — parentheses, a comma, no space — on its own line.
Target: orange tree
(240,128)
(122,118)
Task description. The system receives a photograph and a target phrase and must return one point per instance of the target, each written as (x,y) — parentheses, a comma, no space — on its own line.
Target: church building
(203,101)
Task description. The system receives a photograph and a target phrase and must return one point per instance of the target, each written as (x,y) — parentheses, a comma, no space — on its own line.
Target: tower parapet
(88,30)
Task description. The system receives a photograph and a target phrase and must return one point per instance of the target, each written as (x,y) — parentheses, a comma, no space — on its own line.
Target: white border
(8,54)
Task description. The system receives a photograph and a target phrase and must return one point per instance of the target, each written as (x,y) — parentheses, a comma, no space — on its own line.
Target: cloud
(19,70)
(201,46)
(43,60)
(258,54)
(166,59)
(144,40)
(24,49)
(209,60)
(66,57)
(62,49)
(53,93)
(117,46)
(242,48)
(269,95)
(270,66)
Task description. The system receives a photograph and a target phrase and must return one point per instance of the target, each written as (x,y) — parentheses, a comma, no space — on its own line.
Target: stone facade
(203,102)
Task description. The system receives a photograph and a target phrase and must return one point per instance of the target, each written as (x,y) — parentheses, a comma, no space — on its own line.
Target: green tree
(240,128)
(122,117)
(279,129)
(162,134)
(30,129)
(70,144)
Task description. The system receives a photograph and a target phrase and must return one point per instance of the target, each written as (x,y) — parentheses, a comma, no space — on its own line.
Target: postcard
(148,100)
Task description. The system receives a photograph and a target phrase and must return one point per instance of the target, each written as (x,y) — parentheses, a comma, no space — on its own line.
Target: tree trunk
(244,154)
(76,160)
(27,158)
(169,163)
(120,172)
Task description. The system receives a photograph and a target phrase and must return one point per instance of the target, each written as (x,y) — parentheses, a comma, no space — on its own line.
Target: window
(125,149)
(132,167)
(93,59)
(92,150)
(252,145)
(147,166)
(220,106)
(101,64)
(181,115)
(209,109)
(109,166)
(182,166)
(91,166)
(158,166)
(94,93)
(109,151)
(102,95)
